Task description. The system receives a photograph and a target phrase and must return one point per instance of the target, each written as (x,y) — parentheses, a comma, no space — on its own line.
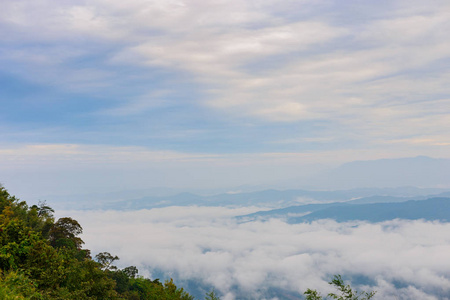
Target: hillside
(41,258)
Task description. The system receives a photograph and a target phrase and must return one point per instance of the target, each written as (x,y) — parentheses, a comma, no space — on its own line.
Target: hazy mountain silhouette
(430,209)
(420,171)
(277,198)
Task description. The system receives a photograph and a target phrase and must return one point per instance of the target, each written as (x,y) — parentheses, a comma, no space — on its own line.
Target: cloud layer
(401,259)
(361,75)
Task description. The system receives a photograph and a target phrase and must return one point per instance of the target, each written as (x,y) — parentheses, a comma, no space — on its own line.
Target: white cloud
(252,60)
(74,153)
(205,244)
(64,157)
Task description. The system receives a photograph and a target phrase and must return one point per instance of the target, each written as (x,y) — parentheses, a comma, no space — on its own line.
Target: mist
(399,259)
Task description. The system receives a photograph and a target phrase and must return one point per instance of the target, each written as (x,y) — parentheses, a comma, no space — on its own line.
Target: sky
(107,95)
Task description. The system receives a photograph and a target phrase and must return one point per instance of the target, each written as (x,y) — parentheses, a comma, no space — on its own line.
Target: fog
(399,259)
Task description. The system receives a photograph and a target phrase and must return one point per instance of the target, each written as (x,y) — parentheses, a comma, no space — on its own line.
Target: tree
(130,271)
(64,233)
(212,296)
(41,259)
(172,292)
(40,218)
(43,209)
(106,260)
(346,292)
(312,295)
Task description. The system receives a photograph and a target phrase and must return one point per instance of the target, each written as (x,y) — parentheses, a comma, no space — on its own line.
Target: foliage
(312,295)
(345,292)
(41,259)
(212,296)
(105,259)
(130,271)
(14,285)
(64,233)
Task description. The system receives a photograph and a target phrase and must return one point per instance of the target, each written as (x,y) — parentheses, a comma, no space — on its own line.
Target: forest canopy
(41,258)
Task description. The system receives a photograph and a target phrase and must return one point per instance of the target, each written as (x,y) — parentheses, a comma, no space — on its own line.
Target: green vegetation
(212,296)
(345,292)
(43,259)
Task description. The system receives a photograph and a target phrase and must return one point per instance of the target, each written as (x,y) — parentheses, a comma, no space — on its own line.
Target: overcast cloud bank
(400,259)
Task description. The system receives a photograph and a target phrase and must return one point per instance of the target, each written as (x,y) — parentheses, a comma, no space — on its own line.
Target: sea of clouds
(399,259)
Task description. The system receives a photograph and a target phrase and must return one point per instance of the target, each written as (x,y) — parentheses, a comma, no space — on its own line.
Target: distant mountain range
(429,209)
(413,171)
(358,181)
(278,199)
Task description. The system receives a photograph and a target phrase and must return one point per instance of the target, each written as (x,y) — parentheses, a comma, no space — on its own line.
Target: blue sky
(132,94)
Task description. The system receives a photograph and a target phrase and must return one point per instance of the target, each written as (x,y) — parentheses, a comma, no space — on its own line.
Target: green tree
(64,233)
(172,292)
(15,285)
(345,292)
(212,296)
(312,295)
(106,259)
(130,271)
(43,260)
(43,210)
(40,218)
